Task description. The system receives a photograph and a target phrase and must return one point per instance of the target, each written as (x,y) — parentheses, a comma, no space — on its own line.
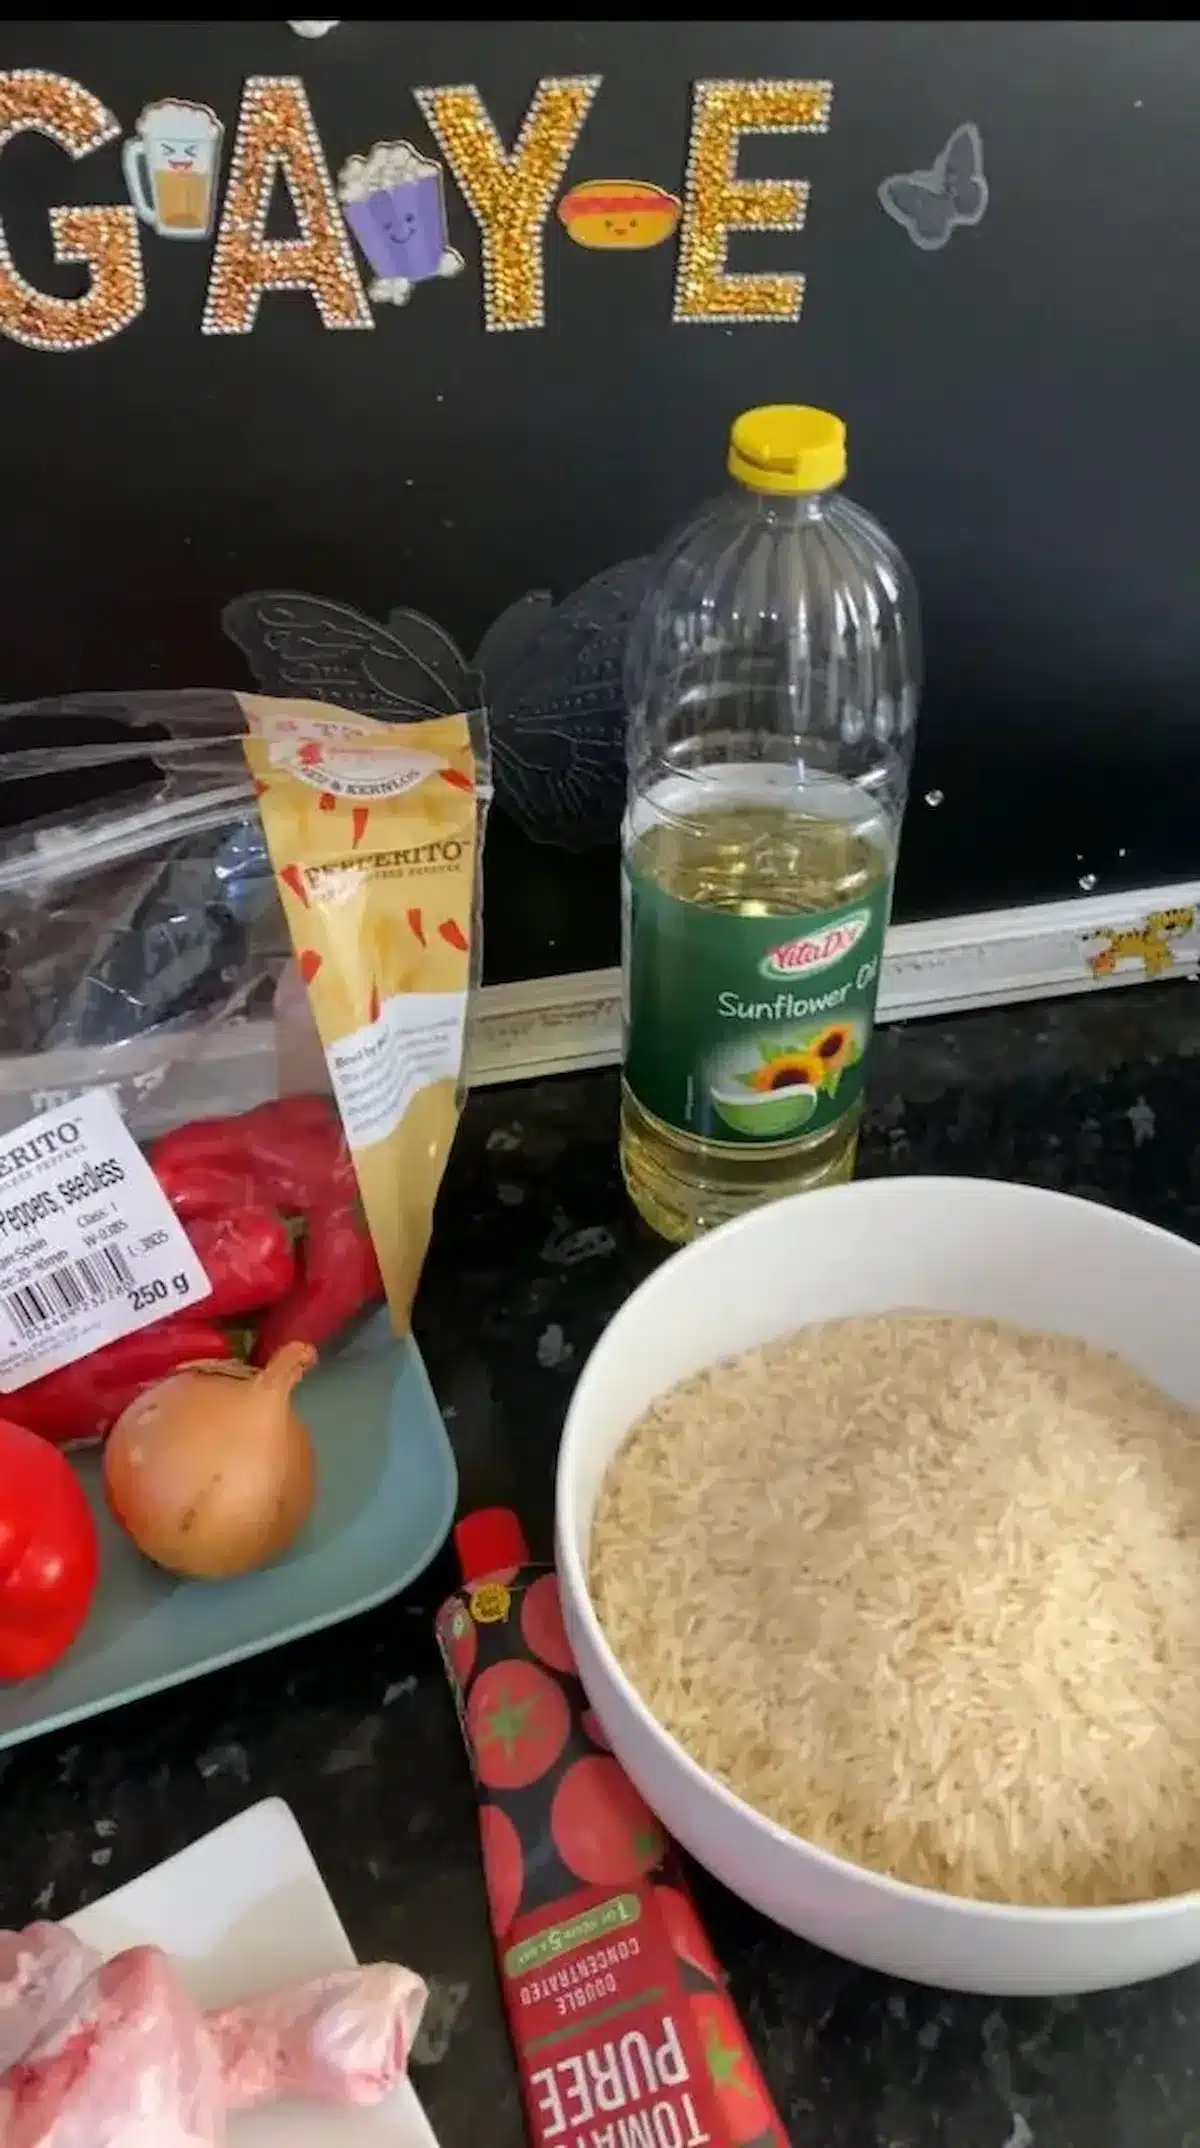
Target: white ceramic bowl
(934,1244)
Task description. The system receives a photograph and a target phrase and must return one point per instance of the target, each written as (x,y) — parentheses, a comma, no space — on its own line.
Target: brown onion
(211,1472)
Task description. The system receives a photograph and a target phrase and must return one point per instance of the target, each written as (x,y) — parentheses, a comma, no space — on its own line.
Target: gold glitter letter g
(105,240)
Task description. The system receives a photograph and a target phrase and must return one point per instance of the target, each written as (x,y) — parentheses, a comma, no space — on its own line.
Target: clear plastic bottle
(772,683)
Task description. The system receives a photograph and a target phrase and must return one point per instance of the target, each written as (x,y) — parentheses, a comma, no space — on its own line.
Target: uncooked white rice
(927,1591)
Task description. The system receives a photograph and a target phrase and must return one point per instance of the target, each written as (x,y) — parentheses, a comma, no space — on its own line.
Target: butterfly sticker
(930,205)
(551,675)
(319,650)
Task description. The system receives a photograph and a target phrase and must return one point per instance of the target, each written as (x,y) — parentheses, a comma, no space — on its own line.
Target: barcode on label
(77,1287)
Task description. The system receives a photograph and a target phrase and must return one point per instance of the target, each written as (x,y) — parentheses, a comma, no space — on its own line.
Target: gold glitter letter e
(105,240)
(717,202)
(276,135)
(510,196)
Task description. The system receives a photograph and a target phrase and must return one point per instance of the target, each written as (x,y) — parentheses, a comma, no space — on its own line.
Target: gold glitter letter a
(510,196)
(276,135)
(717,202)
(105,240)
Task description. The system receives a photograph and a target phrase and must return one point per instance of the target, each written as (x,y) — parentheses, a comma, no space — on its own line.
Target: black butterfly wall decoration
(929,205)
(549,674)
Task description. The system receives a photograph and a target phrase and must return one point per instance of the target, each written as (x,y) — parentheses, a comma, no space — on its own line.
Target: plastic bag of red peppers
(278,897)
(269,1201)
(624,2032)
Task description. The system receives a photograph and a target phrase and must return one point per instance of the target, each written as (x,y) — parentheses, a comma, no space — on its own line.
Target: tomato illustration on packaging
(743,2100)
(542,1624)
(517,1720)
(603,1828)
(594,1729)
(503,1865)
(688,1937)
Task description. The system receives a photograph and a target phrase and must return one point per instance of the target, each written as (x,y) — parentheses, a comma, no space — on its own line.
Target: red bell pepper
(247,1256)
(207,1189)
(293,1151)
(339,1277)
(83,1401)
(49,1557)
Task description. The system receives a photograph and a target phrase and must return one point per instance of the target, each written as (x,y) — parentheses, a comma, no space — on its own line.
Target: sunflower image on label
(749,1030)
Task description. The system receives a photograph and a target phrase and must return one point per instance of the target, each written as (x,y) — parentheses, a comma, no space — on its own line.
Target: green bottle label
(748,1029)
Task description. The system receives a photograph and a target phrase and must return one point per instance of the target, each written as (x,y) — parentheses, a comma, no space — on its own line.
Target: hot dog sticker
(619,215)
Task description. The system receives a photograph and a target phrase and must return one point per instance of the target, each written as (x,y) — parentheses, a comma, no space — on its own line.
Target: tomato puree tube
(625,2035)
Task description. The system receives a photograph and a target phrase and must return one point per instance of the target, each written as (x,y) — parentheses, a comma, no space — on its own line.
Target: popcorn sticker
(394,202)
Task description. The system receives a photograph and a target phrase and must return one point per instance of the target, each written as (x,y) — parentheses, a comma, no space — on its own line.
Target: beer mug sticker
(394,202)
(171,165)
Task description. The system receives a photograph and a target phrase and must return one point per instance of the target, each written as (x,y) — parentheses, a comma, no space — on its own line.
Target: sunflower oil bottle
(772,682)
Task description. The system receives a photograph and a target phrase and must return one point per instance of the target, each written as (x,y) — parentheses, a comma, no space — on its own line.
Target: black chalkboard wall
(1021,399)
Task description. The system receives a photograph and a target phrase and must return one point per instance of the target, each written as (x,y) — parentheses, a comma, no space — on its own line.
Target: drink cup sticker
(394,202)
(929,205)
(619,215)
(171,165)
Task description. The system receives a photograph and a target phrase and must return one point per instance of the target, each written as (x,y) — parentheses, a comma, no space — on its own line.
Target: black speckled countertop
(535,1248)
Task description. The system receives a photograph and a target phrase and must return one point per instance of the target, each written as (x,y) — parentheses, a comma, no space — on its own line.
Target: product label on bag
(748,1030)
(90,1247)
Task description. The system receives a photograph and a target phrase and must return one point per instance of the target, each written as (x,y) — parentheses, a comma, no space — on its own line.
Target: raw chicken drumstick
(40,1969)
(117,2054)
(126,2063)
(338,2039)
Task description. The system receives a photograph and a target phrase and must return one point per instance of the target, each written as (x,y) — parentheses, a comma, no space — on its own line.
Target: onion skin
(211,1472)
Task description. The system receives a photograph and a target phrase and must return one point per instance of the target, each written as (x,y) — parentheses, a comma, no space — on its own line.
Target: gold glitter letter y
(510,196)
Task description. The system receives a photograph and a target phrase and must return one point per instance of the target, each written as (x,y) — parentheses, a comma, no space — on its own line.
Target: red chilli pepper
(293,1150)
(293,878)
(416,925)
(310,963)
(456,779)
(247,1256)
(339,1277)
(49,1557)
(358,822)
(453,934)
(83,1401)
(373,1004)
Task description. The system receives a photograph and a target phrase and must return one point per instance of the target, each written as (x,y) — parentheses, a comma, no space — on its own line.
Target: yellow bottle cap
(787,447)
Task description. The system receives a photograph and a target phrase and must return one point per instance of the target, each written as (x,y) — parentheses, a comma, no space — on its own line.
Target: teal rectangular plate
(385,1501)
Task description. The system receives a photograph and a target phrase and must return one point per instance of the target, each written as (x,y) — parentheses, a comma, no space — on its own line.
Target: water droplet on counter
(1087,882)
(1121,851)
(934,798)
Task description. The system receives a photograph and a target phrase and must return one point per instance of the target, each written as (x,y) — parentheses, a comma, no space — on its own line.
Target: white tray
(243,1910)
